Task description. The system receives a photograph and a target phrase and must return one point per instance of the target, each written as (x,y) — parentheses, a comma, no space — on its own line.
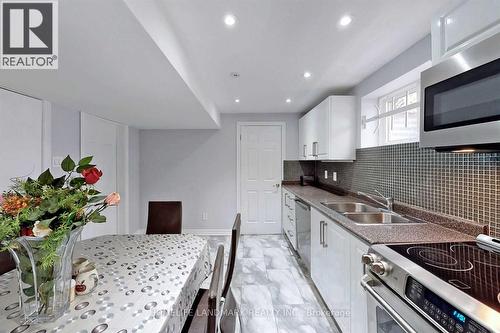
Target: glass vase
(44,293)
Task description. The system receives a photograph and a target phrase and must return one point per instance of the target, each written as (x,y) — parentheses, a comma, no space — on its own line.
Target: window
(399,115)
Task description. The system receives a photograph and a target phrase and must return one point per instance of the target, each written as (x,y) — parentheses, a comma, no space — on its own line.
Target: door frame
(239,126)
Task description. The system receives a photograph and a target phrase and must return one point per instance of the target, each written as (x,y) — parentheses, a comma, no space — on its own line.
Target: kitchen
(363,177)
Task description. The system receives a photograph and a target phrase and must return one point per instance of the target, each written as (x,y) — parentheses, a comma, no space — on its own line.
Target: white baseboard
(140,232)
(207,232)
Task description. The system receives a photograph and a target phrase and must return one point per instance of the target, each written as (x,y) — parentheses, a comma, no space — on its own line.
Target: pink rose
(112,199)
(1,199)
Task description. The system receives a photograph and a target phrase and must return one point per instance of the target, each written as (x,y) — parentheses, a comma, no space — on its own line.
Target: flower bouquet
(40,221)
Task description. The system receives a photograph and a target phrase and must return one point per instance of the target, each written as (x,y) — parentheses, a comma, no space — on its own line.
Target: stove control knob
(368,258)
(380,268)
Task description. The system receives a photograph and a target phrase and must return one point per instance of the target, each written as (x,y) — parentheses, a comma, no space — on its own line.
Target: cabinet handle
(325,244)
(321,232)
(315,148)
(304,151)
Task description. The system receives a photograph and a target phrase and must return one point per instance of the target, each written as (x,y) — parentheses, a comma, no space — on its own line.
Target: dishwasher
(303,223)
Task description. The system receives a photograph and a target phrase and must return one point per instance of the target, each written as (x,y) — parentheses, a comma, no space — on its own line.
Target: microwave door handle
(365,283)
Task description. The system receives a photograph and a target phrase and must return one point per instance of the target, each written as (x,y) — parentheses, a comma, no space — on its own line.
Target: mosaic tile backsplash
(462,185)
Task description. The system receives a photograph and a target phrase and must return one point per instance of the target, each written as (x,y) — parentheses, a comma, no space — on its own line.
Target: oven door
(388,313)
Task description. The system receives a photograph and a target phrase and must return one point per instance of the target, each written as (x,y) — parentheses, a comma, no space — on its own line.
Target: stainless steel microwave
(461,100)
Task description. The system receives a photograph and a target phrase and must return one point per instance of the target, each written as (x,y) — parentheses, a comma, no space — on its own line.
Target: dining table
(147,283)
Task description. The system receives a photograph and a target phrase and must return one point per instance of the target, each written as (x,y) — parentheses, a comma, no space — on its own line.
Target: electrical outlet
(326,174)
(334,176)
(204,216)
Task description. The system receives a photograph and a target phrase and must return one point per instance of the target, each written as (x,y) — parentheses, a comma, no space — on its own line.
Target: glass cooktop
(466,266)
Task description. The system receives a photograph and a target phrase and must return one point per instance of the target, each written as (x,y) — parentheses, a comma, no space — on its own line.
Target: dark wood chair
(204,314)
(164,217)
(6,262)
(230,315)
(235,238)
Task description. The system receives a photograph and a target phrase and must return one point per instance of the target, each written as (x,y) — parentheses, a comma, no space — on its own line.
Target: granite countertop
(377,234)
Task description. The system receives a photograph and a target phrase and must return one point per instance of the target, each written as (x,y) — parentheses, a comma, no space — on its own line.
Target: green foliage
(61,204)
(46,178)
(9,229)
(68,164)
(85,160)
(80,168)
(51,244)
(96,217)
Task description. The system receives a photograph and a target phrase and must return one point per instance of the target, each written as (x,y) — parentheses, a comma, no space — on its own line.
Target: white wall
(65,134)
(198,167)
(134,175)
(410,59)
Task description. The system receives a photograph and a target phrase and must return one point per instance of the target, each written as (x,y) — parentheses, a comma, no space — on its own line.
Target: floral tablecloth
(147,284)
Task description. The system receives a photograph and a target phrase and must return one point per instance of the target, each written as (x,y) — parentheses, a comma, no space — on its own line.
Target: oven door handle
(365,283)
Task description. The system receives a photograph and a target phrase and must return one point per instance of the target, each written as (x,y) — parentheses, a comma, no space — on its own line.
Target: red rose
(25,231)
(91,175)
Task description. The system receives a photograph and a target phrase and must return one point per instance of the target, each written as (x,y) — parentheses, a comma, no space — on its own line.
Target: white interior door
(99,138)
(20,136)
(260,178)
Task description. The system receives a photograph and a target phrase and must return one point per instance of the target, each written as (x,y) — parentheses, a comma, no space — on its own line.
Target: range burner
(439,258)
(479,255)
(466,266)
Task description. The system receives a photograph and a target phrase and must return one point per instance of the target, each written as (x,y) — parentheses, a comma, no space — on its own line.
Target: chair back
(235,238)
(215,291)
(164,217)
(230,315)
(6,262)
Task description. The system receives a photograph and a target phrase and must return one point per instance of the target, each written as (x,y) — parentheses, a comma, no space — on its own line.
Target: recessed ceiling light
(307,75)
(229,20)
(237,100)
(288,100)
(345,20)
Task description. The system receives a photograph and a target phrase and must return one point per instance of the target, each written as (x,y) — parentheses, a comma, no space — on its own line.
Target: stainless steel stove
(444,287)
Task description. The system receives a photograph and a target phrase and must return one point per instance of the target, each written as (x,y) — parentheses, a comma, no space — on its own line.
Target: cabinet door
(302,139)
(310,133)
(322,128)
(342,125)
(21,134)
(358,294)
(284,210)
(337,276)
(306,136)
(317,249)
(460,26)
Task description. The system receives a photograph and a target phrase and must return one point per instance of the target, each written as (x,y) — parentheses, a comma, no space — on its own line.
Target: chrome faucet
(389,201)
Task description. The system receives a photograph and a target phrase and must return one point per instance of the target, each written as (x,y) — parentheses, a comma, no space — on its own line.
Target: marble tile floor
(274,294)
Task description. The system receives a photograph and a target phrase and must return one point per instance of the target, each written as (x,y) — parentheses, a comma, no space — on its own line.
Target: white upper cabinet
(328,131)
(463,25)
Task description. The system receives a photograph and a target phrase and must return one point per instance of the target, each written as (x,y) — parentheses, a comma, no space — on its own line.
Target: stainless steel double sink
(364,214)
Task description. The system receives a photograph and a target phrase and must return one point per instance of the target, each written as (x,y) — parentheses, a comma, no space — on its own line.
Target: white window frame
(385,116)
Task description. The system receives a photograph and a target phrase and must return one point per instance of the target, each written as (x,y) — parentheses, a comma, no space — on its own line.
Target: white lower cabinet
(336,270)
(288,217)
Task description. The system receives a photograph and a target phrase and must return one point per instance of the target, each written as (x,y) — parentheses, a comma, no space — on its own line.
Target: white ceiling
(167,63)
(275,41)
(109,66)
